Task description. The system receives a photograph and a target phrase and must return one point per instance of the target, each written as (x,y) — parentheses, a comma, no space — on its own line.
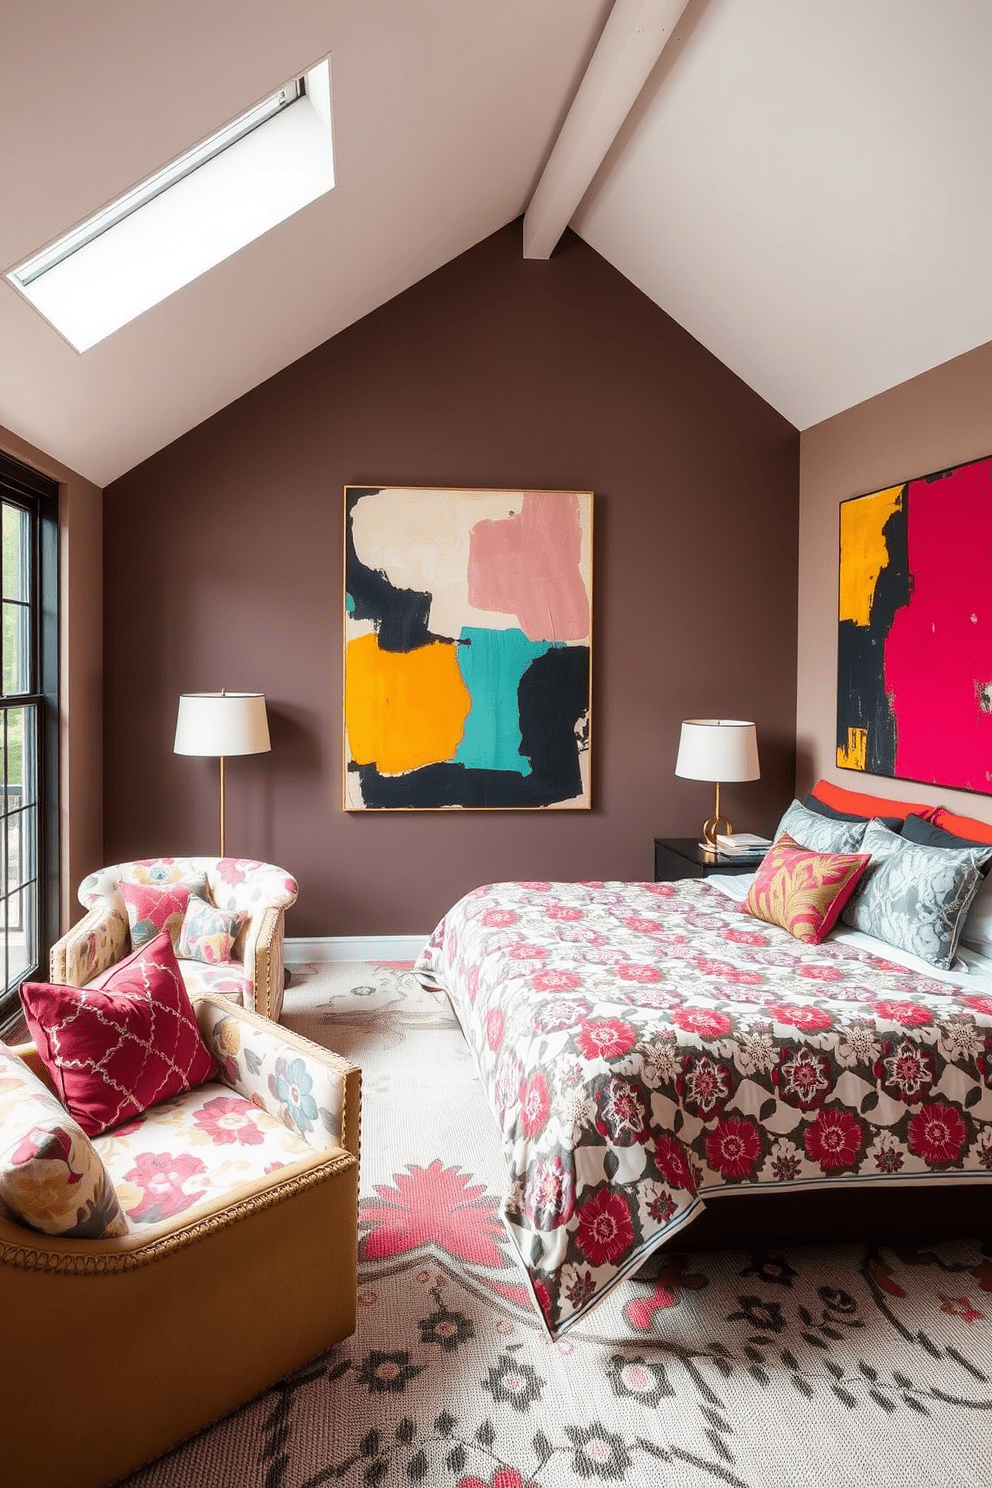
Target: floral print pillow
(152,909)
(208,934)
(51,1177)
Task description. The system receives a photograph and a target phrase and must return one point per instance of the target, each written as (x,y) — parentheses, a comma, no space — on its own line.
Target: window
(29,898)
(187,217)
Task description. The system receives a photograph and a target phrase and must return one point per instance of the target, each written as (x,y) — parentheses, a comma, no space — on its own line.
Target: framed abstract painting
(914,672)
(468,649)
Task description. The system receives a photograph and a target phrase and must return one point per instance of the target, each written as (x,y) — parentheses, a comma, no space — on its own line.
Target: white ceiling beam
(634,37)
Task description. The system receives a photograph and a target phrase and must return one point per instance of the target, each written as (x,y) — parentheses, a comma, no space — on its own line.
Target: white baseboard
(354,947)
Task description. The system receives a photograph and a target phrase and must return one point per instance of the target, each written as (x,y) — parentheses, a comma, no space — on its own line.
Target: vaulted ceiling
(803,186)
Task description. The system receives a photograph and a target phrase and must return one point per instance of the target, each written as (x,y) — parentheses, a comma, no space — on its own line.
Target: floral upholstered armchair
(159,1273)
(252,973)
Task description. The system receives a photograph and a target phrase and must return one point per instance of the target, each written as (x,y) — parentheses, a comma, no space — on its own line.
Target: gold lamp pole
(222,723)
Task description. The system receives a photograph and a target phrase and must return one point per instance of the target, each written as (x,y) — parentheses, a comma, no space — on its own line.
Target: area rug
(846,1365)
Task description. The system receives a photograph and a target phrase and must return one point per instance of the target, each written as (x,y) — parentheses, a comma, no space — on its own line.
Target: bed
(646,1047)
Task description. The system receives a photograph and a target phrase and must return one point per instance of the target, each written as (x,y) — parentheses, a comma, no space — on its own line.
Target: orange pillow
(803,891)
(962,826)
(860,804)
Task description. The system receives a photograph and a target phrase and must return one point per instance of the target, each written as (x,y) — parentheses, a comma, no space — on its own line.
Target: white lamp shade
(220,723)
(718,749)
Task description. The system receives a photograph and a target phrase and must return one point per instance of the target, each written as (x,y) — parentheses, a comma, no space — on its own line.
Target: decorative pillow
(863,805)
(114,1050)
(917,829)
(152,909)
(914,897)
(813,803)
(52,1178)
(209,934)
(803,891)
(819,833)
(963,826)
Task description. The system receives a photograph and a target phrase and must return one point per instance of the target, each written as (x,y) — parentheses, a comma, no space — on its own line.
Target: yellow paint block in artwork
(403,709)
(863,553)
(854,755)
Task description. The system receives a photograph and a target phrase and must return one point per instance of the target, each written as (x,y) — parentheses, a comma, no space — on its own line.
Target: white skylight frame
(186,218)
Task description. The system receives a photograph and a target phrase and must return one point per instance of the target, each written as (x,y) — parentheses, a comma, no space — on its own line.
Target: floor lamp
(219,724)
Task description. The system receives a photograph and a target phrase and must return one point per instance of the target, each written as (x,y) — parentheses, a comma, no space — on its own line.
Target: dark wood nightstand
(682,857)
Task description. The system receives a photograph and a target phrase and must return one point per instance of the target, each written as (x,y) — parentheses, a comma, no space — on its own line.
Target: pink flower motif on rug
(503,1477)
(436,1206)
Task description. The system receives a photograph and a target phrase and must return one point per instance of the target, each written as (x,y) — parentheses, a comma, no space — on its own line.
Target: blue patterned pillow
(915,897)
(819,833)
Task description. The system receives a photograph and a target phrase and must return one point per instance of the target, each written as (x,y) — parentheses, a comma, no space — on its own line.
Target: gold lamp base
(716,823)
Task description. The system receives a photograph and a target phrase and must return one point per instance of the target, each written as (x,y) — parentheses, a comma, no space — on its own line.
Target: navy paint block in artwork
(862,701)
(399,615)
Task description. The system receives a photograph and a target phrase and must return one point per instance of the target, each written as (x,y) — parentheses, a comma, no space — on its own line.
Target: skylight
(189,216)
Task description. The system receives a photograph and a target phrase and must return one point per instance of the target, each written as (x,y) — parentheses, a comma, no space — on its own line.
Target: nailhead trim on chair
(70,1263)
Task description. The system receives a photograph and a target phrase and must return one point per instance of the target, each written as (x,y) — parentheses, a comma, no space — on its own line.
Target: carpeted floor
(850,1366)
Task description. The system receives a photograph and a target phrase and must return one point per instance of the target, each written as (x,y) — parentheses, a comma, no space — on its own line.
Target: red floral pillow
(803,891)
(112,1051)
(152,908)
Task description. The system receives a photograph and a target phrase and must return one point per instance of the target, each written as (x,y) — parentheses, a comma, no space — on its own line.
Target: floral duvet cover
(643,1045)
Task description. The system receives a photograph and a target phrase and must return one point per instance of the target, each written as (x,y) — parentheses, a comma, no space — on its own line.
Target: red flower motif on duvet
(804,1078)
(534,1104)
(909,1014)
(745,937)
(549,1198)
(606,1038)
(709,967)
(605,1231)
(163,1176)
(833,1140)
(562,1012)
(435,1206)
(818,973)
(734,1148)
(525,952)
(622,1114)
(503,1477)
(802,1015)
(937,1134)
(906,1070)
(978,1002)
(499,919)
(631,971)
(565,912)
(660,891)
(707,1022)
(227,1119)
(555,981)
(494,1029)
(646,927)
(706,1087)
(673,1165)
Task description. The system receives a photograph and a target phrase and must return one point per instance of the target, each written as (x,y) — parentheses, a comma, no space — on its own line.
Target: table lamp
(717,749)
(221,723)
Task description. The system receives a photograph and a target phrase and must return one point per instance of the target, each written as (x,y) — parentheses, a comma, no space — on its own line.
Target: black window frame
(38,495)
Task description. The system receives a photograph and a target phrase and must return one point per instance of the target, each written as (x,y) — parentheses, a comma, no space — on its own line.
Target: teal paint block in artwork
(349,604)
(492,663)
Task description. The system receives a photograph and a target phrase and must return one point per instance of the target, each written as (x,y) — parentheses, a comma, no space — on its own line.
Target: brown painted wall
(80,669)
(937,419)
(223,568)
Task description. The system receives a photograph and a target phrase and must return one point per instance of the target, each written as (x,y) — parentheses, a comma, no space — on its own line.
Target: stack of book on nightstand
(741,845)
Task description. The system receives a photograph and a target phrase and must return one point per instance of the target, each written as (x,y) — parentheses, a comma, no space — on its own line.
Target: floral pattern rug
(855,1364)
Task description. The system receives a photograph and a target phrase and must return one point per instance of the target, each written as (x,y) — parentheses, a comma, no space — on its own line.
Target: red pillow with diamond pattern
(115,1050)
(803,891)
